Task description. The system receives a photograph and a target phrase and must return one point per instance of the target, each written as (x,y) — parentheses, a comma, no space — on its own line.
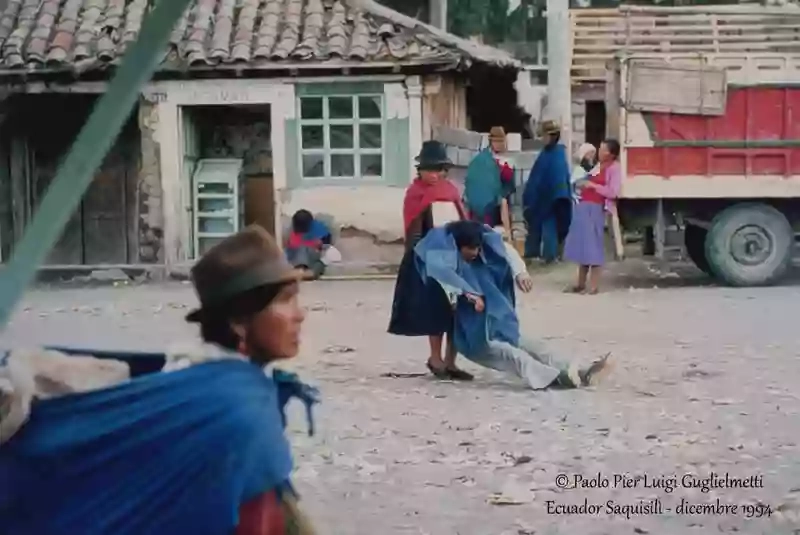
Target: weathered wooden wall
(37,133)
(598,35)
(444,104)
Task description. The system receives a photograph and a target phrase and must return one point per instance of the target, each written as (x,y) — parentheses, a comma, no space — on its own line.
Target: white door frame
(171,95)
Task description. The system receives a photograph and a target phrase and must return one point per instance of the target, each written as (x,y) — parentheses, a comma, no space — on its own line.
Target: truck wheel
(749,245)
(694,238)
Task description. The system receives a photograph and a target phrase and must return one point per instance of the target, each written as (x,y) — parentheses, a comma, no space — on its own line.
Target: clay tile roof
(70,35)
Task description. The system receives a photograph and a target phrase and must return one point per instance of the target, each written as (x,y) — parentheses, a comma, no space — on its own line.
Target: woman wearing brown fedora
(250,309)
(199,449)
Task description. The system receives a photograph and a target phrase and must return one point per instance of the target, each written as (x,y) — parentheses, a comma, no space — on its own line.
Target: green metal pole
(87,153)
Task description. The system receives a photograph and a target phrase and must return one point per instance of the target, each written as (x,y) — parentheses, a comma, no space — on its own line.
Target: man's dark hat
(239,263)
(433,154)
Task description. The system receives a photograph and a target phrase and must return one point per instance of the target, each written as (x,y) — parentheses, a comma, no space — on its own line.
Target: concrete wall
(367,218)
(149,191)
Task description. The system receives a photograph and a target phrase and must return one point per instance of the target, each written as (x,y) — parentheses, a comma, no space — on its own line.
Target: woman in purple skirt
(585,242)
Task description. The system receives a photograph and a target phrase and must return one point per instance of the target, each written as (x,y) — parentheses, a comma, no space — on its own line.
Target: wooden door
(104,217)
(259,203)
(68,250)
(97,232)
(190,142)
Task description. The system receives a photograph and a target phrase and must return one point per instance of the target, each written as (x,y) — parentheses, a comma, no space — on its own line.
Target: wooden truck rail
(598,35)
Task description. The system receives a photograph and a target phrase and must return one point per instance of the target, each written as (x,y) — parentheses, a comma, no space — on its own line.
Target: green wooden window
(342,137)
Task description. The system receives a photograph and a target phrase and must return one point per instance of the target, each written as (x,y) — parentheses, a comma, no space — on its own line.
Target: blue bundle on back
(174,452)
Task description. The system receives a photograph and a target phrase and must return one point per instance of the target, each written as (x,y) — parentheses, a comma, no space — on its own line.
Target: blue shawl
(483,188)
(174,452)
(318,231)
(489,276)
(548,182)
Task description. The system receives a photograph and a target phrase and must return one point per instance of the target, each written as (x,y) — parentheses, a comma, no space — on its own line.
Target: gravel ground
(705,382)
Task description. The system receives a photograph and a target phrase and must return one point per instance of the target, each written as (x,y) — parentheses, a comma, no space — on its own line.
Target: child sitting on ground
(307,242)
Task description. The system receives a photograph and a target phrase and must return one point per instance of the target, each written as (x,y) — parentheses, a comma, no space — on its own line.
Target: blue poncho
(549,182)
(175,452)
(489,276)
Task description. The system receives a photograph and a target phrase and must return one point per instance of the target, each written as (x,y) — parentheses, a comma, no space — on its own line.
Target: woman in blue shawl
(196,451)
(489,184)
(547,198)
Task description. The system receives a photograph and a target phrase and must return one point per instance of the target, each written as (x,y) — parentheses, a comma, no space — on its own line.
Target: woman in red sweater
(585,244)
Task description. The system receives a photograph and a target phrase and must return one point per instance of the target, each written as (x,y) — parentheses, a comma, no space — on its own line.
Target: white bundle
(31,374)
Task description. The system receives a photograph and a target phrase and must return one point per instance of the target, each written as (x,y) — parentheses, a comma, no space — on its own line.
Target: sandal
(439,373)
(458,375)
(593,291)
(598,370)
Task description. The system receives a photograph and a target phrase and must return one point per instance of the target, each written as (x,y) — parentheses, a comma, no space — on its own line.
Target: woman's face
(498,145)
(605,155)
(431,176)
(276,329)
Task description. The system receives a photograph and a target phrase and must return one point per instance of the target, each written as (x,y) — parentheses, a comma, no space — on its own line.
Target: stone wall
(149,191)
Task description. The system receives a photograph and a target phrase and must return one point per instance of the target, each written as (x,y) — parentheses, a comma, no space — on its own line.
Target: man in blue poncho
(471,263)
(198,451)
(547,197)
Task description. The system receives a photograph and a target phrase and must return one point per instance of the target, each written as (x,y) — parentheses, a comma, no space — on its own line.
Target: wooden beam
(96,88)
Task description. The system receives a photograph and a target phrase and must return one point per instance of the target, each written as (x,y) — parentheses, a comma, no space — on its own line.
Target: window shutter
(397,158)
(293,167)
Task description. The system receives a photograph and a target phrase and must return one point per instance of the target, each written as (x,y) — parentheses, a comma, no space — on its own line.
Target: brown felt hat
(243,261)
(497,133)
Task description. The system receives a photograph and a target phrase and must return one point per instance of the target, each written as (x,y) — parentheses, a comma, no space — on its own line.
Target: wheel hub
(751,245)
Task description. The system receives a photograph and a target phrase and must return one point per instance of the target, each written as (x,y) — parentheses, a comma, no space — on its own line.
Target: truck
(711,147)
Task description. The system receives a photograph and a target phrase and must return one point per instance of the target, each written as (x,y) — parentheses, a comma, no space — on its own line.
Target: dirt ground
(706,381)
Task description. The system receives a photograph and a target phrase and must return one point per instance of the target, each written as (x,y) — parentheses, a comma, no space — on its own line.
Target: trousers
(542,239)
(532,361)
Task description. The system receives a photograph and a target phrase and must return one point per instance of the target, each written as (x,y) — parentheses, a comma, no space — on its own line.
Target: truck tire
(694,239)
(749,244)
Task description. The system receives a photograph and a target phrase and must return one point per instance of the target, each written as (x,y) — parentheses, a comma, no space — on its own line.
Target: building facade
(257,110)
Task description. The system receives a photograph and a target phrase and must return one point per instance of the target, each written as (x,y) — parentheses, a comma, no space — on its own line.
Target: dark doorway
(492,101)
(595,124)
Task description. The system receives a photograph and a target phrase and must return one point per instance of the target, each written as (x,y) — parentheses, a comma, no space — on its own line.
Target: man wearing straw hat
(489,184)
(547,197)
